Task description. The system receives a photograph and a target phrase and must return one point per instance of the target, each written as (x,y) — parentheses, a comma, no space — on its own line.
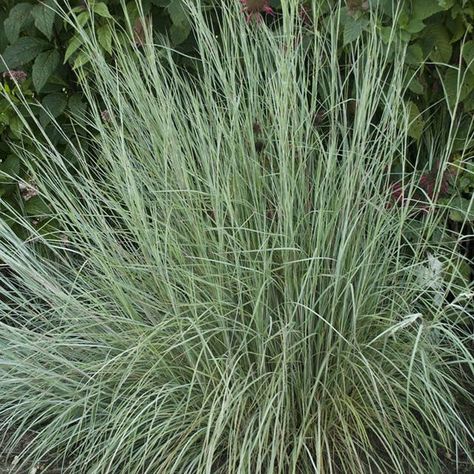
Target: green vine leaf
(463,210)
(44,16)
(102,10)
(53,106)
(436,43)
(422,9)
(415,120)
(18,18)
(353,29)
(23,51)
(44,66)
(104,35)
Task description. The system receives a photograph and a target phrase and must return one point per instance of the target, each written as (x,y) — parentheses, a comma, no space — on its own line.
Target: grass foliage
(232,289)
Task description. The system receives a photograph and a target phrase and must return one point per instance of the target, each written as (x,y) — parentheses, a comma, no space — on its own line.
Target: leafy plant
(234,288)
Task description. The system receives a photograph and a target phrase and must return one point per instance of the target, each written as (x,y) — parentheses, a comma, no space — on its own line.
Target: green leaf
(425,8)
(74,45)
(102,10)
(468,102)
(77,108)
(16,126)
(464,135)
(456,27)
(23,51)
(436,43)
(462,210)
(54,105)
(81,60)
(179,32)
(44,66)
(414,55)
(457,86)
(10,167)
(36,207)
(416,122)
(414,26)
(445,4)
(83,18)
(353,28)
(104,34)
(3,36)
(468,54)
(177,12)
(44,18)
(416,86)
(386,34)
(17,19)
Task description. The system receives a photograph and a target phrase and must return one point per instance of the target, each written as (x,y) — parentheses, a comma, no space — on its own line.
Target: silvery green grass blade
(230,286)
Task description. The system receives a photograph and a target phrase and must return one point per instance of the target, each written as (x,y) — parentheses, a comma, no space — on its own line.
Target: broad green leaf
(102,10)
(468,102)
(10,167)
(36,207)
(457,86)
(83,18)
(422,9)
(436,43)
(463,210)
(387,34)
(179,32)
(54,105)
(414,55)
(74,45)
(3,36)
(177,12)
(414,26)
(468,83)
(104,34)
(78,9)
(16,126)
(81,60)
(405,36)
(385,6)
(23,51)
(468,54)
(44,66)
(180,29)
(456,27)
(445,4)
(450,85)
(76,107)
(353,28)
(132,11)
(18,17)
(44,18)
(465,183)
(416,122)
(416,86)
(464,135)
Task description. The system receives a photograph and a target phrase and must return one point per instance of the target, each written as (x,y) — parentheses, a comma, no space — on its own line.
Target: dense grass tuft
(232,288)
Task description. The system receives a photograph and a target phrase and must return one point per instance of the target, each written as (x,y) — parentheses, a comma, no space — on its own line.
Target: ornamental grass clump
(224,282)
